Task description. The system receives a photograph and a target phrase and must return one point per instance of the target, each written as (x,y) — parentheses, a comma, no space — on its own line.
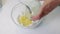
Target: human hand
(46,8)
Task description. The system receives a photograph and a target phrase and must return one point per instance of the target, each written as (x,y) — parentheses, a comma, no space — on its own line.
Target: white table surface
(51,25)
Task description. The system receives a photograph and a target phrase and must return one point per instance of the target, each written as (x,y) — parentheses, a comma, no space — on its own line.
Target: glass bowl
(21,9)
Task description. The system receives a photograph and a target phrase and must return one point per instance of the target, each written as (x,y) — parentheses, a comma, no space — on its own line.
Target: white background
(50,25)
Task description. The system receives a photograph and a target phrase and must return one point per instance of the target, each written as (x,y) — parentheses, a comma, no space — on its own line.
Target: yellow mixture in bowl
(25,21)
